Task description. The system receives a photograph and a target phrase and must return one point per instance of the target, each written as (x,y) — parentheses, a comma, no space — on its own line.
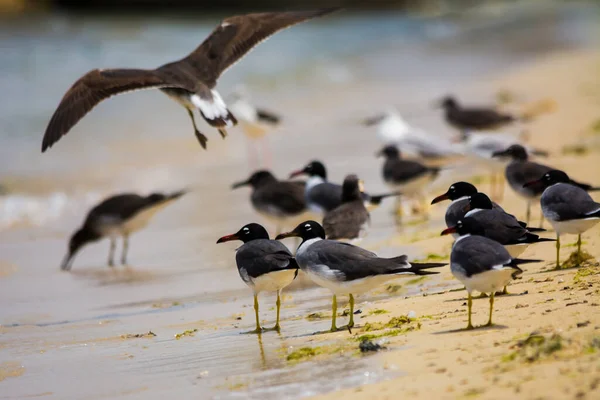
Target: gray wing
(478,254)
(521,173)
(262,256)
(327,195)
(349,262)
(566,202)
(404,170)
(286,197)
(499,226)
(346,221)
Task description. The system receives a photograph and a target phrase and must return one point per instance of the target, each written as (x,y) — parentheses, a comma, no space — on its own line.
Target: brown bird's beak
(448,231)
(296,173)
(287,235)
(441,197)
(228,238)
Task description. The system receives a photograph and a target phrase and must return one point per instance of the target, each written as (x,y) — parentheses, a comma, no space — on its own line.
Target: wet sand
(74,335)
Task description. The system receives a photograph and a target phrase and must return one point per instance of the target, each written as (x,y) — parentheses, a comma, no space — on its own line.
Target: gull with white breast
(347,269)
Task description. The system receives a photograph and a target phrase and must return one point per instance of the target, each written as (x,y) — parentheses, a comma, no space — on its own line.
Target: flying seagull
(118,215)
(190,81)
(263,264)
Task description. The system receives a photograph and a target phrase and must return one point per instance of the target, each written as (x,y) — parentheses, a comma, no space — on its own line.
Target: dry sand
(440,360)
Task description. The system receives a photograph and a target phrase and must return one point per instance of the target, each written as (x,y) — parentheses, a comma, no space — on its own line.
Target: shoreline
(429,357)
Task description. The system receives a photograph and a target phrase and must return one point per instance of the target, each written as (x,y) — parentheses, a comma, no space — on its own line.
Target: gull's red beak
(228,238)
(449,231)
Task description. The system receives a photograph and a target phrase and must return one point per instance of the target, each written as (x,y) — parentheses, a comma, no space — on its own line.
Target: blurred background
(323,77)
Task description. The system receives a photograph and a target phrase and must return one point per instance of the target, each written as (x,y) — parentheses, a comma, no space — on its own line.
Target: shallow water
(65,328)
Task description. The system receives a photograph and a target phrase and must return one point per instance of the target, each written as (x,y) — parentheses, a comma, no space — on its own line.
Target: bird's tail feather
(515,262)
(530,229)
(421,268)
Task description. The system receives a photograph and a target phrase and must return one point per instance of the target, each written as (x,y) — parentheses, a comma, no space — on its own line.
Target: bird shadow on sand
(463,299)
(481,328)
(115,275)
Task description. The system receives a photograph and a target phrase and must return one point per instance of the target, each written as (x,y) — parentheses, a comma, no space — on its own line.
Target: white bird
(392,129)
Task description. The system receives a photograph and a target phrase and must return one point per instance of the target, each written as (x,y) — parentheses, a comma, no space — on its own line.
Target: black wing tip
(428,265)
(517,261)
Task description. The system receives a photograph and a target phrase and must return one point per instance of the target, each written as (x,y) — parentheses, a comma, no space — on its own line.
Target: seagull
(274,199)
(568,207)
(350,219)
(409,177)
(473,118)
(264,265)
(255,122)
(323,196)
(458,193)
(521,171)
(500,226)
(481,264)
(393,130)
(480,147)
(344,268)
(189,81)
(118,215)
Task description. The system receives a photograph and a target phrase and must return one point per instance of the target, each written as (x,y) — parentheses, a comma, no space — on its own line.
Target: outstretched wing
(237,35)
(91,89)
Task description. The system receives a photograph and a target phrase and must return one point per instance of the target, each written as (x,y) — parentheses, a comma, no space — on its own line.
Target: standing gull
(322,196)
(263,264)
(189,81)
(480,146)
(344,268)
(499,226)
(350,219)
(458,193)
(274,199)
(521,171)
(466,119)
(119,215)
(569,208)
(481,264)
(411,178)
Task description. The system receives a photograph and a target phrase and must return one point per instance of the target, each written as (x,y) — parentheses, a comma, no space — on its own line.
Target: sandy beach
(173,322)
(545,343)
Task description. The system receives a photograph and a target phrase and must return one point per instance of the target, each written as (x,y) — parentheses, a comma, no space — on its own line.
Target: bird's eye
(308,227)
(452,187)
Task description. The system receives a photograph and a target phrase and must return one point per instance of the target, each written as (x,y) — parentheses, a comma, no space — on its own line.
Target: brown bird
(189,81)
(350,219)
